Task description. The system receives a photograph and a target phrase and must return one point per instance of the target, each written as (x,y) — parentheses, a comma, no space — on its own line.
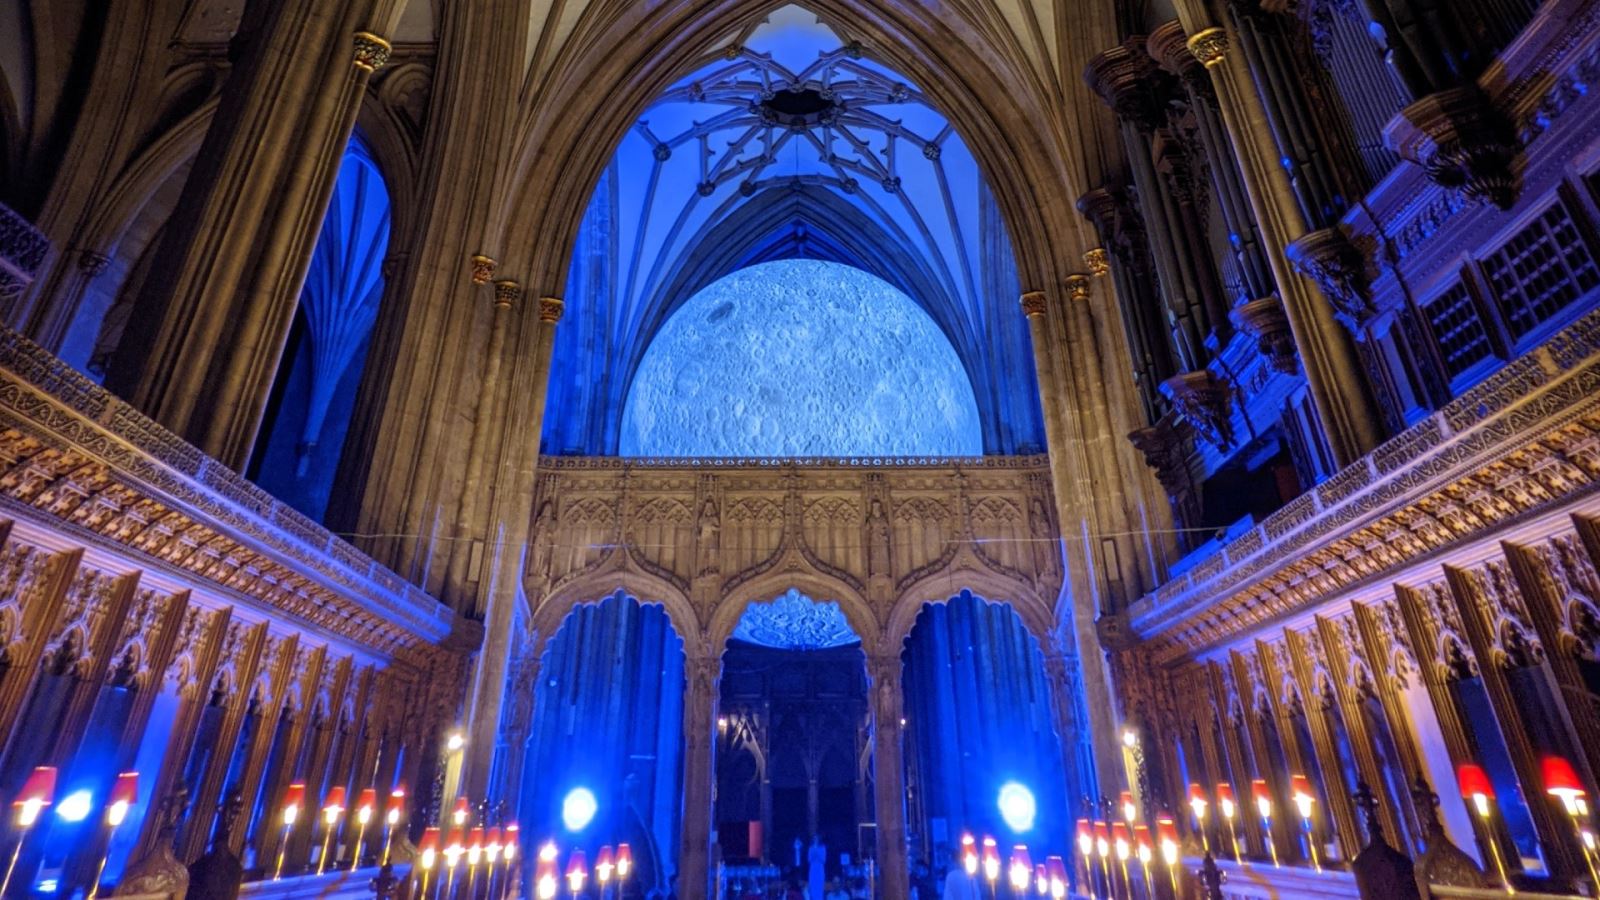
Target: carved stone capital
(1079,287)
(1202,400)
(1109,209)
(1209,46)
(1129,82)
(1268,325)
(1461,142)
(1169,46)
(482,268)
(506,293)
(372,52)
(1034,304)
(1098,261)
(1113,631)
(550,310)
(1339,269)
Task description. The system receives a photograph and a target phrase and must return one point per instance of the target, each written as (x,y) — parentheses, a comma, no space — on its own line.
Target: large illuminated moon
(800,358)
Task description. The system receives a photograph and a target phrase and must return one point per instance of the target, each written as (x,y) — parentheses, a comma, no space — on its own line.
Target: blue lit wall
(978,715)
(608,713)
(800,358)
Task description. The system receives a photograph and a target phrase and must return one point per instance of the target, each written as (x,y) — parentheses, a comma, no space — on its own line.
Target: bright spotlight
(1017,807)
(76,806)
(578,809)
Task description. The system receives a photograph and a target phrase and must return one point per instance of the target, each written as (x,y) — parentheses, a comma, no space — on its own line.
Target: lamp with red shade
(427,857)
(1198,804)
(366,808)
(332,809)
(1304,803)
(1228,806)
(391,818)
(294,797)
(124,794)
(1561,781)
(1262,795)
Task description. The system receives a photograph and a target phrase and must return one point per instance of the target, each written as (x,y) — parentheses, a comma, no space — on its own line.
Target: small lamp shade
(1121,840)
(334,802)
(1474,781)
(1141,838)
(1300,785)
(462,811)
(428,848)
(1102,839)
(991,858)
(511,848)
(40,787)
(1041,880)
(1085,837)
(1057,868)
(1226,801)
(1021,869)
(366,804)
(1560,779)
(604,862)
(492,841)
(475,838)
(294,797)
(124,794)
(396,806)
(577,871)
(1197,797)
(1167,835)
(624,861)
(1262,795)
(1126,804)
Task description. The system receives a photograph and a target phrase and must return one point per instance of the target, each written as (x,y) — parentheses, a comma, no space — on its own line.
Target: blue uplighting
(1017,807)
(76,806)
(578,809)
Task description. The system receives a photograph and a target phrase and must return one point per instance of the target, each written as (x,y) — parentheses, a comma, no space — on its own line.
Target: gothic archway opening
(794,795)
(982,753)
(793,146)
(602,760)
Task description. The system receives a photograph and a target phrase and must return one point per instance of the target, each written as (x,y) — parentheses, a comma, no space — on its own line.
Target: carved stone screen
(800,357)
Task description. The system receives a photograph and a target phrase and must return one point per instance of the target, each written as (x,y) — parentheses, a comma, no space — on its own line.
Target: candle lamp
(969,854)
(545,874)
(1263,798)
(1056,867)
(577,872)
(1561,781)
(1041,880)
(293,799)
(1021,871)
(427,857)
(1229,808)
(1477,790)
(603,866)
(391,818)
(332,809)
(463,810)
(1130,810)
(1122,849)
(1198,805)
(454,849)
(474,857)
(1086,850)
(1167,837)
(508,852)
(366,807)
(1102,850)
(624,862)
(124,793)
(991,863)
(1304,801)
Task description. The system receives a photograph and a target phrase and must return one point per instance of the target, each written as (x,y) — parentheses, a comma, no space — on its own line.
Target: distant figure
(797,845)
(817,860)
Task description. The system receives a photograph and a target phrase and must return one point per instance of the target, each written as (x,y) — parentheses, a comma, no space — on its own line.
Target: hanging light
(1021,868)
(602,866)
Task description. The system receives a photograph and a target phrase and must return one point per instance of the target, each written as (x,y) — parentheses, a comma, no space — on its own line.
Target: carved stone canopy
(1461,141)
(794,621)
(1202,400)
(1265,321)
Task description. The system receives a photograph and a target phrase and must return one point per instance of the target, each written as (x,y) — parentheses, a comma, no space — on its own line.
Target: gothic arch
(948,582)
(999,107)
(813,584)
(597,587)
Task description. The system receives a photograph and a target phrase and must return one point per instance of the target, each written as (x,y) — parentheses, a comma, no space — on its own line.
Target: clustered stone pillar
(888,767)
(216,312)
(700,698)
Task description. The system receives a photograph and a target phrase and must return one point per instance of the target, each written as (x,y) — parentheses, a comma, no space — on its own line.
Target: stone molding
(1524,440)
(73,455)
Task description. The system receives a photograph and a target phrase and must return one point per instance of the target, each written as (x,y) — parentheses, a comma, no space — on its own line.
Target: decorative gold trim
(1210,46)
(1033,304)
(1079,287)
(372,52)
(1098,261)
(506,293)
(482,268)
(550,309)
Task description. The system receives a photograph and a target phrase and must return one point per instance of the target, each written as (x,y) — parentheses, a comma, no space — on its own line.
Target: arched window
(298,450)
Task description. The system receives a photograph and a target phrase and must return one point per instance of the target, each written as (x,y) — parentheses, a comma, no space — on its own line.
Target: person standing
(817,859)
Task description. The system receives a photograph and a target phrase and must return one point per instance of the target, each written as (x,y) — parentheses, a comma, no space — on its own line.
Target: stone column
(1333,372)
(458,576)
(202,354)
(888,766)
(699,774)
(1059,673)
(509,511)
